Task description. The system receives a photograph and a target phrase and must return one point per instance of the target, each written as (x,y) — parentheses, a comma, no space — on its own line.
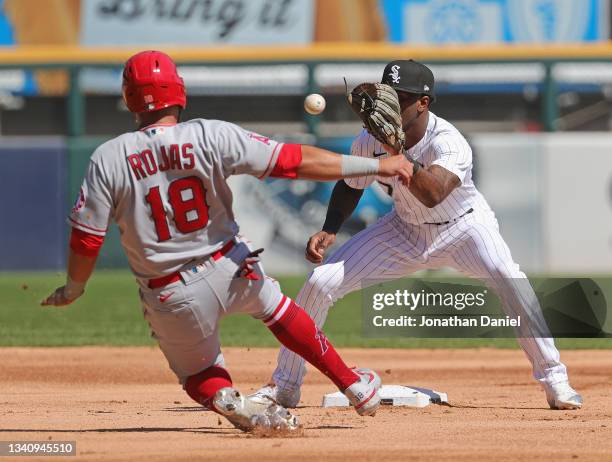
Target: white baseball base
(394,395)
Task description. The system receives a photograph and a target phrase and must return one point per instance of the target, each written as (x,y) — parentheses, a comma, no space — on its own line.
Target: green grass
(110,314)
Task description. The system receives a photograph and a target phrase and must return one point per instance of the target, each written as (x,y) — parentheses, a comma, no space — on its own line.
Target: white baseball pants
(392,249)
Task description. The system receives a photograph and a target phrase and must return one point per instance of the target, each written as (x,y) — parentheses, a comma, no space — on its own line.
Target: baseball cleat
(562,396)
(363,394)
(271,393)
(247,415)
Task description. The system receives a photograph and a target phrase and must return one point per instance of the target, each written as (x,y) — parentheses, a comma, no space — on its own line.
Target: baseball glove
(377,105)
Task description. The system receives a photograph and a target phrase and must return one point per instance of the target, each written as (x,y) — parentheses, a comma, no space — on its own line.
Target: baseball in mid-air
(314,104)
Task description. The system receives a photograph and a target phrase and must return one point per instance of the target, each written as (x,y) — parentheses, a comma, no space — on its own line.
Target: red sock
(202,387)
(293,328)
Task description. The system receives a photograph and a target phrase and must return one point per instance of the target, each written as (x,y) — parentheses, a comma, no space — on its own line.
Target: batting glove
(247,267)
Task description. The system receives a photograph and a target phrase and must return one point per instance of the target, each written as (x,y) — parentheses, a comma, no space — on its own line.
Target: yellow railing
(51,56)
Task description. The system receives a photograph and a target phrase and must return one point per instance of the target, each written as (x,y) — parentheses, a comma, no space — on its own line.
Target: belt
(176,276)
(453,220)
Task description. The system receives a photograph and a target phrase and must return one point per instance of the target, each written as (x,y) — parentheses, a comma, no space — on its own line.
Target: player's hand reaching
(396,165)
(317,244)
(61,297)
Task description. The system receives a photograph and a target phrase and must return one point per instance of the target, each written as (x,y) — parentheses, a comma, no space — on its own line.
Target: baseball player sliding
(439,219)
(165,185)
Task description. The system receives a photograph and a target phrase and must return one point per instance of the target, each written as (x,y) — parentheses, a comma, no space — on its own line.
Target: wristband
(73,289)
(358,166)
(415,165)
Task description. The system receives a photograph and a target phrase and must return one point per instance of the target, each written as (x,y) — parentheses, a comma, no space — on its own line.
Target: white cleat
(247,415)
(271,393)
(562,396)
(363,394)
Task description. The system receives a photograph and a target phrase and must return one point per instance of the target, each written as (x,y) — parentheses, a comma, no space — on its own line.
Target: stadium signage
(438,22)
(196,22)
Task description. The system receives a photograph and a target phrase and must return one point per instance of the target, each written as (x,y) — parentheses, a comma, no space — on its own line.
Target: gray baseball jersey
(442,145)
(165,187)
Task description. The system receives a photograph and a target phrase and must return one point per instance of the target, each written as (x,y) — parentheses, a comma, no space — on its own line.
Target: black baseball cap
(409,76)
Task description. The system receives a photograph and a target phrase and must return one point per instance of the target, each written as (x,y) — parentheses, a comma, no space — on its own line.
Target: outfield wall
(33,190)
(552,194)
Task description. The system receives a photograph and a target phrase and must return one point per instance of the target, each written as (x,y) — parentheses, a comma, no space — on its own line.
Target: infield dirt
(124,404)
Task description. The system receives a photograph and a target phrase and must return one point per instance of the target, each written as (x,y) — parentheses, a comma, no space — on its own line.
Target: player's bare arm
(79,271)
(432,185)
(322,165)
(82,256)
(429,185)
(342,203)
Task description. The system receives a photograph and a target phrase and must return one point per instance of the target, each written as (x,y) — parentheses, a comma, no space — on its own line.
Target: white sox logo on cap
(394,74)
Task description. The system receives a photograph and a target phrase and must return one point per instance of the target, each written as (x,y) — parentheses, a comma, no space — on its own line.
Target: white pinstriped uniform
(442,145)
(403,242)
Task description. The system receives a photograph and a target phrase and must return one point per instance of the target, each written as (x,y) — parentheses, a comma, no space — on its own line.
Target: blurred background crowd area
(485,96)
(528,82)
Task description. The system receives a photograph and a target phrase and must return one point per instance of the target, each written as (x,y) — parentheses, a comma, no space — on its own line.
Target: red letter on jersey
(165,165)
(187,150)
(263,139)
(175,162)
(136,165)
(149,161)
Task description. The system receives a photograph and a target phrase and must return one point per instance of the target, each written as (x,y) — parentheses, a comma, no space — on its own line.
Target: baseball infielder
(439,220)
(165,186)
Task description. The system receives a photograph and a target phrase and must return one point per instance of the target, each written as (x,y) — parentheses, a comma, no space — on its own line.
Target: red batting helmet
(151,82)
